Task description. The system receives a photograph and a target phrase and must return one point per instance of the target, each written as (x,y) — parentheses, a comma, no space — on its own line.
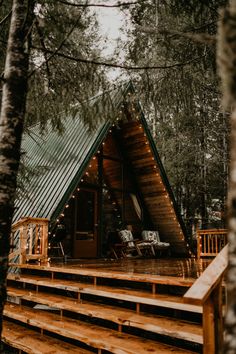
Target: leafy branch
(114,65)
(119,4)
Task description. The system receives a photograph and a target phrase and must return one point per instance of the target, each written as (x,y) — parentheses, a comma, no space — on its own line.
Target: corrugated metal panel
(58,162)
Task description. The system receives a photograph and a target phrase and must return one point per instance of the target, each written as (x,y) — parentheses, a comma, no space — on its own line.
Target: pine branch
(53,53)
(121,4)
(115,65)
(197,37)
(5,18)
(41,38)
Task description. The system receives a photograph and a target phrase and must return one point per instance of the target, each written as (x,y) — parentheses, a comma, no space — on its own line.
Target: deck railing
(207,291)
(210,242)
(29,240)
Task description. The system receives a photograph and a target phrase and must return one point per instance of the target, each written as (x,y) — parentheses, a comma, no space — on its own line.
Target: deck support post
(213,322)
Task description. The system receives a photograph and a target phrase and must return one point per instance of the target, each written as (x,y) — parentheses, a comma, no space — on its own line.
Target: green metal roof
(58,161)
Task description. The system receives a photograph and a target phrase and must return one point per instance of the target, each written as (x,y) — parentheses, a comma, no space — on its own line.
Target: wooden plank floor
(187,268)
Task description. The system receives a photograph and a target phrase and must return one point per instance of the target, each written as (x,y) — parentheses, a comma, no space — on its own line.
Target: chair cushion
(145,244)
(161,245)
(151,235)
(125,236)
(155,238)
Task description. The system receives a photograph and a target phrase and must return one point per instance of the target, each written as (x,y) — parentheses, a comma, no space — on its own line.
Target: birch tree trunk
(11,124)
(227,70)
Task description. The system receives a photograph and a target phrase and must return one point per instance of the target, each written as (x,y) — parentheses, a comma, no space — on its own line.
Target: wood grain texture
(32,342)
(129,295)
(92,335)
(157,324)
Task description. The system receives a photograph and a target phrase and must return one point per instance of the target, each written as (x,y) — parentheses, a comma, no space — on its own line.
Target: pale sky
(111,19)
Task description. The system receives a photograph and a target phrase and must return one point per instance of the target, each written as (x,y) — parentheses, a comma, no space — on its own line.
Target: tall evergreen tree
(183,100)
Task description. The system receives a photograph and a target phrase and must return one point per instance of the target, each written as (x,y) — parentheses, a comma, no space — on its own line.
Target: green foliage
(184,102)
(58,84)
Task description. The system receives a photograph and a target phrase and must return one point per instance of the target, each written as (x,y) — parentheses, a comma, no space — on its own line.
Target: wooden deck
(179,267)
(104,306)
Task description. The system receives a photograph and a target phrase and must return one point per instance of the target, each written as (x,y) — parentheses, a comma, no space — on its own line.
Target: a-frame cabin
(96,182)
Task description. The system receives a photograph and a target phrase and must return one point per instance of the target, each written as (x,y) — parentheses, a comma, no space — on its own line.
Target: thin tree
(11,124)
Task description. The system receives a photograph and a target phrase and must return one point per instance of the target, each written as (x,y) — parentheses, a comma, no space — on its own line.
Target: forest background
(176,42)
(170,55)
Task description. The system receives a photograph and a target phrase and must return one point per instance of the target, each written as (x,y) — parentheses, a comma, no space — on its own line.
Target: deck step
(122,317)
(112,274)
(33,342)
(91,335)
(129,295)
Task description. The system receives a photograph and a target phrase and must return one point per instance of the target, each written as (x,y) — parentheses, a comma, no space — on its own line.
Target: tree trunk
(227,70)
(11,124)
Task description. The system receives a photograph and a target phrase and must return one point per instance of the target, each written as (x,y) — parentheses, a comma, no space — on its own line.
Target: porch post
(100,230)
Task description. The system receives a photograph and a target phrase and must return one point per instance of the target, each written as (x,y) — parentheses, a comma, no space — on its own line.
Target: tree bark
(11,124)
(227,69)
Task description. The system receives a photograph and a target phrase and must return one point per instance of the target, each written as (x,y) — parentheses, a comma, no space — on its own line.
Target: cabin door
(86,224)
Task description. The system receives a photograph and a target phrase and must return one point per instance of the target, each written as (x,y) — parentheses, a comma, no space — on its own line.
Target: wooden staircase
(73,310)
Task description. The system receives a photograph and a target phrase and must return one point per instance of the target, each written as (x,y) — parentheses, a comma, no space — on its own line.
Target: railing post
(208,327)
(218,316)
(44,240)
(198,245)
(23,245)
(213,322)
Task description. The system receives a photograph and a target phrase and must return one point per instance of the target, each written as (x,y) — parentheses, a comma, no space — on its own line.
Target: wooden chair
(131,245)
(154,238)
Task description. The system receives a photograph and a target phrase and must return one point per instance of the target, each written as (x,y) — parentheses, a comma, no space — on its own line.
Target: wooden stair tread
(33,342)
(136,296)
(156,324)
(136,277)
(92,335)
